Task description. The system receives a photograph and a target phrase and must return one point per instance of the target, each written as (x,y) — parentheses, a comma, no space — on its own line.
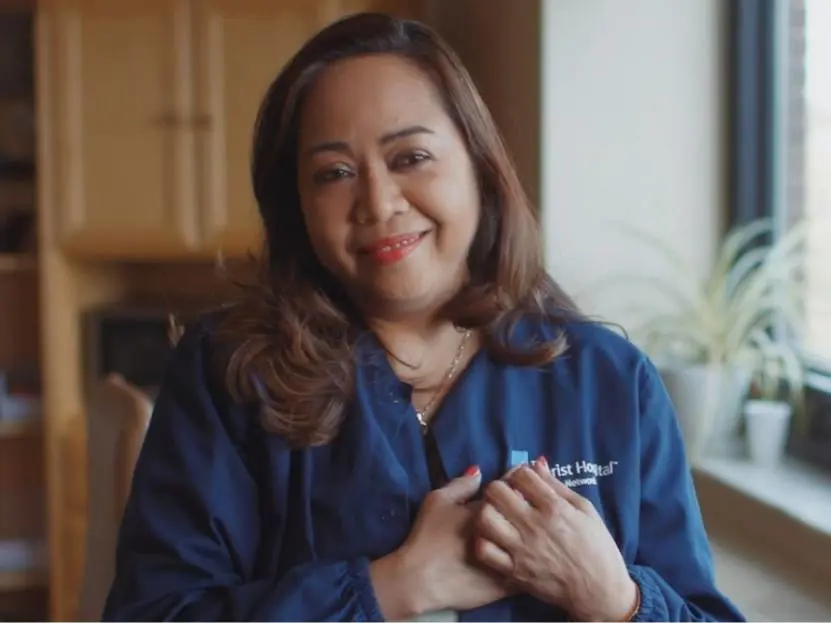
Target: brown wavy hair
(292,336)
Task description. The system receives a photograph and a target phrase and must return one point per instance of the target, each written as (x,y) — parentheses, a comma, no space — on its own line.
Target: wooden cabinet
(402,8)
(156,102)
(124,153)
(241,45)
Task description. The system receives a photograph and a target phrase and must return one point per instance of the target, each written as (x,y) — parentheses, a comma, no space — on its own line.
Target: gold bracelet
(631,614)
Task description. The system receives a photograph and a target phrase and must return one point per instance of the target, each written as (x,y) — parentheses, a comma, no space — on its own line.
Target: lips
(392,249)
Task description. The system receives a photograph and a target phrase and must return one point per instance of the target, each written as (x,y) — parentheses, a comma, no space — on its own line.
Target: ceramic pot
(767,425)
(707,400)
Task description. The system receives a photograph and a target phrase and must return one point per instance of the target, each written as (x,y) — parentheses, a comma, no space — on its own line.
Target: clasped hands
(528,533)
(550,541)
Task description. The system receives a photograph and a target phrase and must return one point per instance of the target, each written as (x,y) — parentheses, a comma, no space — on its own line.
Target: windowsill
(780,516)
(797,490)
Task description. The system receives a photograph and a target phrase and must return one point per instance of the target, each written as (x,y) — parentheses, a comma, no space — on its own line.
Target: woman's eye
(410,159)
(331,175)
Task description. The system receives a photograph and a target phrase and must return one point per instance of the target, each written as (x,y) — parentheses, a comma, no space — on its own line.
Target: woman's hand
(553,544)
(434,569)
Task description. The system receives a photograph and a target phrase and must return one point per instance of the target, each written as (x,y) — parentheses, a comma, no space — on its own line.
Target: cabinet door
(241,47)
(125,154)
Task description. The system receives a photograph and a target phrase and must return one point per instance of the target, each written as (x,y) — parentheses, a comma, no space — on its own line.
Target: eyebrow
(343,146)
(415,129)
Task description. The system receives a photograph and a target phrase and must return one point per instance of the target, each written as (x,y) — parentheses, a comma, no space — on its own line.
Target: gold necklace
(421,414)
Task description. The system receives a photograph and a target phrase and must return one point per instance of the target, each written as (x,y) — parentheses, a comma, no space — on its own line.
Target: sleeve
(673,567)
(190,533)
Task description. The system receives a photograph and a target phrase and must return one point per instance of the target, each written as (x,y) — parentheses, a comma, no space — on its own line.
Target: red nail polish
(472,470)
(543,461)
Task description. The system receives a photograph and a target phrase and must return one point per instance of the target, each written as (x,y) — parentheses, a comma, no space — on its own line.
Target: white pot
(707,401)
(768,423)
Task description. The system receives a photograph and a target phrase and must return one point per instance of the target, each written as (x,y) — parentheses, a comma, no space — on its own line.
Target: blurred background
(678,152)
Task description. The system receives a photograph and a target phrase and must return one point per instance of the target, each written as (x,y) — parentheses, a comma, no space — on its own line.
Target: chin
(404,295)
(409,297)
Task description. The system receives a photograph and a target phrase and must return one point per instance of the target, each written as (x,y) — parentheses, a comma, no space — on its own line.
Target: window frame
(760,45)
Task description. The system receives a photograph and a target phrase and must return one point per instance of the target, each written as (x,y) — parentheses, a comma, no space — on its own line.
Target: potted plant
(776,393)
(705,337)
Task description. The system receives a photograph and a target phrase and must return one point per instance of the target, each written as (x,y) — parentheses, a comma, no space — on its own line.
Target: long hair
(292,337)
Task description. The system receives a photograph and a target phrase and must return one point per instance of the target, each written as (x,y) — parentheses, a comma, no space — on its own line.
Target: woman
(351,441)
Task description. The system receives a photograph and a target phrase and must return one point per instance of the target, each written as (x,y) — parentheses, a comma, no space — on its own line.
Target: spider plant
(755,287)
(727,322)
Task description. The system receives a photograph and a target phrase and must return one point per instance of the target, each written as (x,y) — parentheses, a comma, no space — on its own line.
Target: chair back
(118,414)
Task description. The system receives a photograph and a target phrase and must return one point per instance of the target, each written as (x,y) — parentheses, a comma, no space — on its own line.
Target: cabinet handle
(167,120)
(202,122)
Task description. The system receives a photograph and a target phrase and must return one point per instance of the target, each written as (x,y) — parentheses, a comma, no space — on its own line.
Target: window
(781,162)
(808,183)
(811,158)
(805,56)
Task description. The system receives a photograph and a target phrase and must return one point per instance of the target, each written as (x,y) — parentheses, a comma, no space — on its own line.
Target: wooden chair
(118,414)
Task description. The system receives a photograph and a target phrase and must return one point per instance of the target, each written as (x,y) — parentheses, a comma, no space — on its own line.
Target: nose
(379,196)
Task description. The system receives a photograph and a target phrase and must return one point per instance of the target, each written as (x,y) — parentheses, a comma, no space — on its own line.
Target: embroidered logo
(572,475)
(582,473)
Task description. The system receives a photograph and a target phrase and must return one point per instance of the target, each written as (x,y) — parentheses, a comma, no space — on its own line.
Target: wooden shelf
(23,428)
(15,262)
(23,579)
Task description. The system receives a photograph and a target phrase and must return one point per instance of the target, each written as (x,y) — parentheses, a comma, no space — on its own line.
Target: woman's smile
(393,249)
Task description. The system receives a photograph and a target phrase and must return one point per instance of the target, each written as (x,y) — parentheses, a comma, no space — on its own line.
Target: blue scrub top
(225,522)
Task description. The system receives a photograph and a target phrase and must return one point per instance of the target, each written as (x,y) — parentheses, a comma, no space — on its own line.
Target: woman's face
(387,187)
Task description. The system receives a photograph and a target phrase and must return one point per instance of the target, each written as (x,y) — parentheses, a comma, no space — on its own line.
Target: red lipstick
(392,249)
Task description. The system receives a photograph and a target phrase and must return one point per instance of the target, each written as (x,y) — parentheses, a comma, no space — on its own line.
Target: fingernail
(472,470)
(543,461)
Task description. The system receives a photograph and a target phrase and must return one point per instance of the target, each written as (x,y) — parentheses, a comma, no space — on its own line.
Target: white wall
(622,120)
(633,129)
